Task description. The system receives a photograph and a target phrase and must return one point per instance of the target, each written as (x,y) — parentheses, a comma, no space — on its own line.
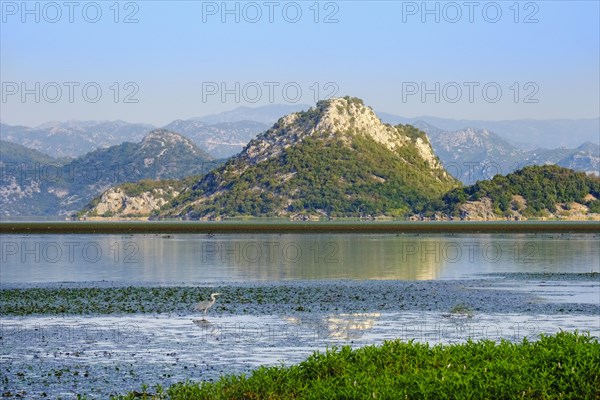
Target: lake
(283,297)
(225,258)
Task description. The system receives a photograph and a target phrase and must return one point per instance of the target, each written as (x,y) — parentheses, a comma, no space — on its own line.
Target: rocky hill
(34,184)
(546,191)
(336,159)
(135,200)
(25,173)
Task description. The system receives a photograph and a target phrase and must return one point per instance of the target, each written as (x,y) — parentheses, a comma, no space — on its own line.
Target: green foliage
(594,206)
(12,153)
(323,175)
(564,365)
(462,309)
(81,179)
(412,132)
(542,187)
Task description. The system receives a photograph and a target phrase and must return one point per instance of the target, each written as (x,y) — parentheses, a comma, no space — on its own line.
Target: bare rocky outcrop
(480,210)
(115,202)
(338,115)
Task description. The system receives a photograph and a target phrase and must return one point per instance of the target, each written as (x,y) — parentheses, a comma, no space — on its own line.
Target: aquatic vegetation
(565,365)
(462,310)
(287,297)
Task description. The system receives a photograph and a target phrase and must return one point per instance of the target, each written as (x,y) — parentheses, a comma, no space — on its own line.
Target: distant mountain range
(468,153)
(33,183)
(268,114)
(475,154)
(226,133)
(339,160)
(221,139)
(73,138)
(527,134)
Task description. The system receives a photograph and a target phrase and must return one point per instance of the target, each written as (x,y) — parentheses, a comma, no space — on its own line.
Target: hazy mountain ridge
(76,138)
(225,134)
(585,158)
(221,140)
(73,138)
(268,114)
(476,154)
(33,184)
(527,134)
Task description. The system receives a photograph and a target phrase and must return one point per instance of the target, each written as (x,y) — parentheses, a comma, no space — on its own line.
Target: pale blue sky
(377,51)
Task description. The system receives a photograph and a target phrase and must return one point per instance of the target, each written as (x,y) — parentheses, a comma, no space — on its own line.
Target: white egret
(206,304)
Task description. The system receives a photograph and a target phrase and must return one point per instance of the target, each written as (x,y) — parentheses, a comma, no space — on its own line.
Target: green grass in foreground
(561,366)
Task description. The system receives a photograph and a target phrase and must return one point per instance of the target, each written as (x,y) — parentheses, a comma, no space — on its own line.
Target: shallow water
(228,258)
(95,355)
(100,354)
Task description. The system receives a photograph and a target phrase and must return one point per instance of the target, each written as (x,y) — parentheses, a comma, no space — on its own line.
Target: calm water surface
(200,258)
(104,354)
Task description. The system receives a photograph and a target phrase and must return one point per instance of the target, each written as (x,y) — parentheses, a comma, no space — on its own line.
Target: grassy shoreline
(565,366)
(79,334)
(254,226)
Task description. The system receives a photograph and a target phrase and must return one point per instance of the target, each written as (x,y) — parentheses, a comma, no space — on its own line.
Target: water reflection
(339,326)
(193,259)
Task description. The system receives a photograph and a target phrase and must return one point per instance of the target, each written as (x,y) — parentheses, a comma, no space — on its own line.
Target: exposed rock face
(338,115)
(574,211)
(483,210)
(480,210)
(115,202)
(35,184)
(337,158)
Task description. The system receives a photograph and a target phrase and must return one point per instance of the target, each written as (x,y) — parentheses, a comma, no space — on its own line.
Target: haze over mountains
(339,160)
(222,135)
(33,183)
(73,138)
(469,154)
(268,114)
(527,134)
(475,154)
(221,139)
(226,133)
